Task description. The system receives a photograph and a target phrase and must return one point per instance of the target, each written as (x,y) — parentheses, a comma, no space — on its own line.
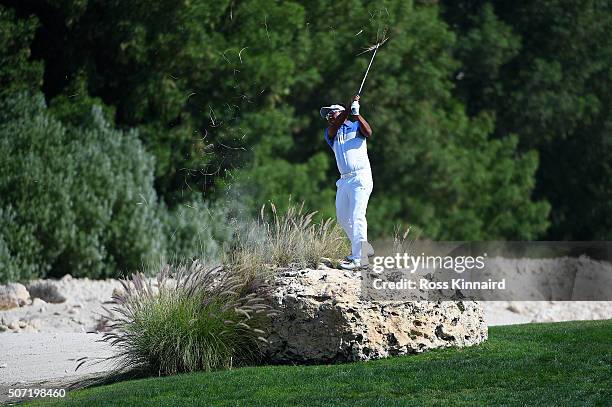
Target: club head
(375,46)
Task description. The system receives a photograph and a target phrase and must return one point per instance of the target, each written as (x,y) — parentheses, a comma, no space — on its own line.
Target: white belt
(353,173)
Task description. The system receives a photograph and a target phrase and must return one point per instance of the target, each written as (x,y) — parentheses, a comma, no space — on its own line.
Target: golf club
(375,48)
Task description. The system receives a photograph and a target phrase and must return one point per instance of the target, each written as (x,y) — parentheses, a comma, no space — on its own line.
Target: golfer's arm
(364,126)
(334,129)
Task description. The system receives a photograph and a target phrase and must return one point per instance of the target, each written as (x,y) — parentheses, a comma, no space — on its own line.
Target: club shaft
(368,70)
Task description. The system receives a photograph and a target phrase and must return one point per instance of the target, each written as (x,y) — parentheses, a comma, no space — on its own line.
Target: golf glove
(355,108)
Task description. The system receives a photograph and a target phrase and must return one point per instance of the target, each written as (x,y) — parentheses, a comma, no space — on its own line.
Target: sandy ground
(32,357)
(522,312)
(80,312)
(41,342)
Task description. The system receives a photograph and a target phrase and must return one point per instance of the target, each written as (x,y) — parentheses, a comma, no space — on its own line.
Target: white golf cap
(326,109)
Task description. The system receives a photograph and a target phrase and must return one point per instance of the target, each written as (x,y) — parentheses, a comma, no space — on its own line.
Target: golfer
(348,141)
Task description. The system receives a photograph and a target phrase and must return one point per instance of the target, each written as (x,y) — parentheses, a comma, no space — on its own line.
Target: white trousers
(352,197)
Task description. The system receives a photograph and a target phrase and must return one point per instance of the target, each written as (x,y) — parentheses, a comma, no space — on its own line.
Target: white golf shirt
(350,149)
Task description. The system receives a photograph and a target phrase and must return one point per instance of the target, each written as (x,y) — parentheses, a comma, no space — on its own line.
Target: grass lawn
(559,364)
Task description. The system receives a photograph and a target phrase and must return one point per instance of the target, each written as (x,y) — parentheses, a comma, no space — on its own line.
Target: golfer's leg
(359,205)
(355,244)
(343,211)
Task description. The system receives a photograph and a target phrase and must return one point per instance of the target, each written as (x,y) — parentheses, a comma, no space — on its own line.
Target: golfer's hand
(355,106)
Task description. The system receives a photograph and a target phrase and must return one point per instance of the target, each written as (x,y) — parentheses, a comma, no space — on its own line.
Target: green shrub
(200,319)
(19,249)
(76,200)
(45,290)
(196,229)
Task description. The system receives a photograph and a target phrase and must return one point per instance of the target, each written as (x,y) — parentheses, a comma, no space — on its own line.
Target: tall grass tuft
(290,239)
(194,318)
(197,318)
(401,243)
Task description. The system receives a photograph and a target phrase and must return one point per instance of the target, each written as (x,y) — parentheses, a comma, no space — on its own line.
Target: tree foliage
(545,69)
(483,114)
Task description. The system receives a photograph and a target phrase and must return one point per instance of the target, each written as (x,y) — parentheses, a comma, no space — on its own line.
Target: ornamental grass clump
(285,240)
(196,319)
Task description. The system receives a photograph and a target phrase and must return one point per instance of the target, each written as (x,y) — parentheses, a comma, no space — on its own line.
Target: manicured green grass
(534,364)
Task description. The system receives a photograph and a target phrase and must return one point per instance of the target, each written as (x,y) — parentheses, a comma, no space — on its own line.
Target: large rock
(13,295)
(323,319)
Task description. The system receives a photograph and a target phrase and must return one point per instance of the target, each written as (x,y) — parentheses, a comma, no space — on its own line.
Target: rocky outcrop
(13,295)
(324,319)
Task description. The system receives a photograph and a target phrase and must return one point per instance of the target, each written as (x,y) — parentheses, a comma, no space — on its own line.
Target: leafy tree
(17,71)
(182,73)
(226,97)
(433,166)
(544,68)
(76,195)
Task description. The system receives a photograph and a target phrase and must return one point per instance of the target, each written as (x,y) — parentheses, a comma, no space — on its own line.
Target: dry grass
(290,239)
(46,291)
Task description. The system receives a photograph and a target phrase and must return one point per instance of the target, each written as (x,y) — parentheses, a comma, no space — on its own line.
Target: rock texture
(13,295)
(323,319)
(81,310)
